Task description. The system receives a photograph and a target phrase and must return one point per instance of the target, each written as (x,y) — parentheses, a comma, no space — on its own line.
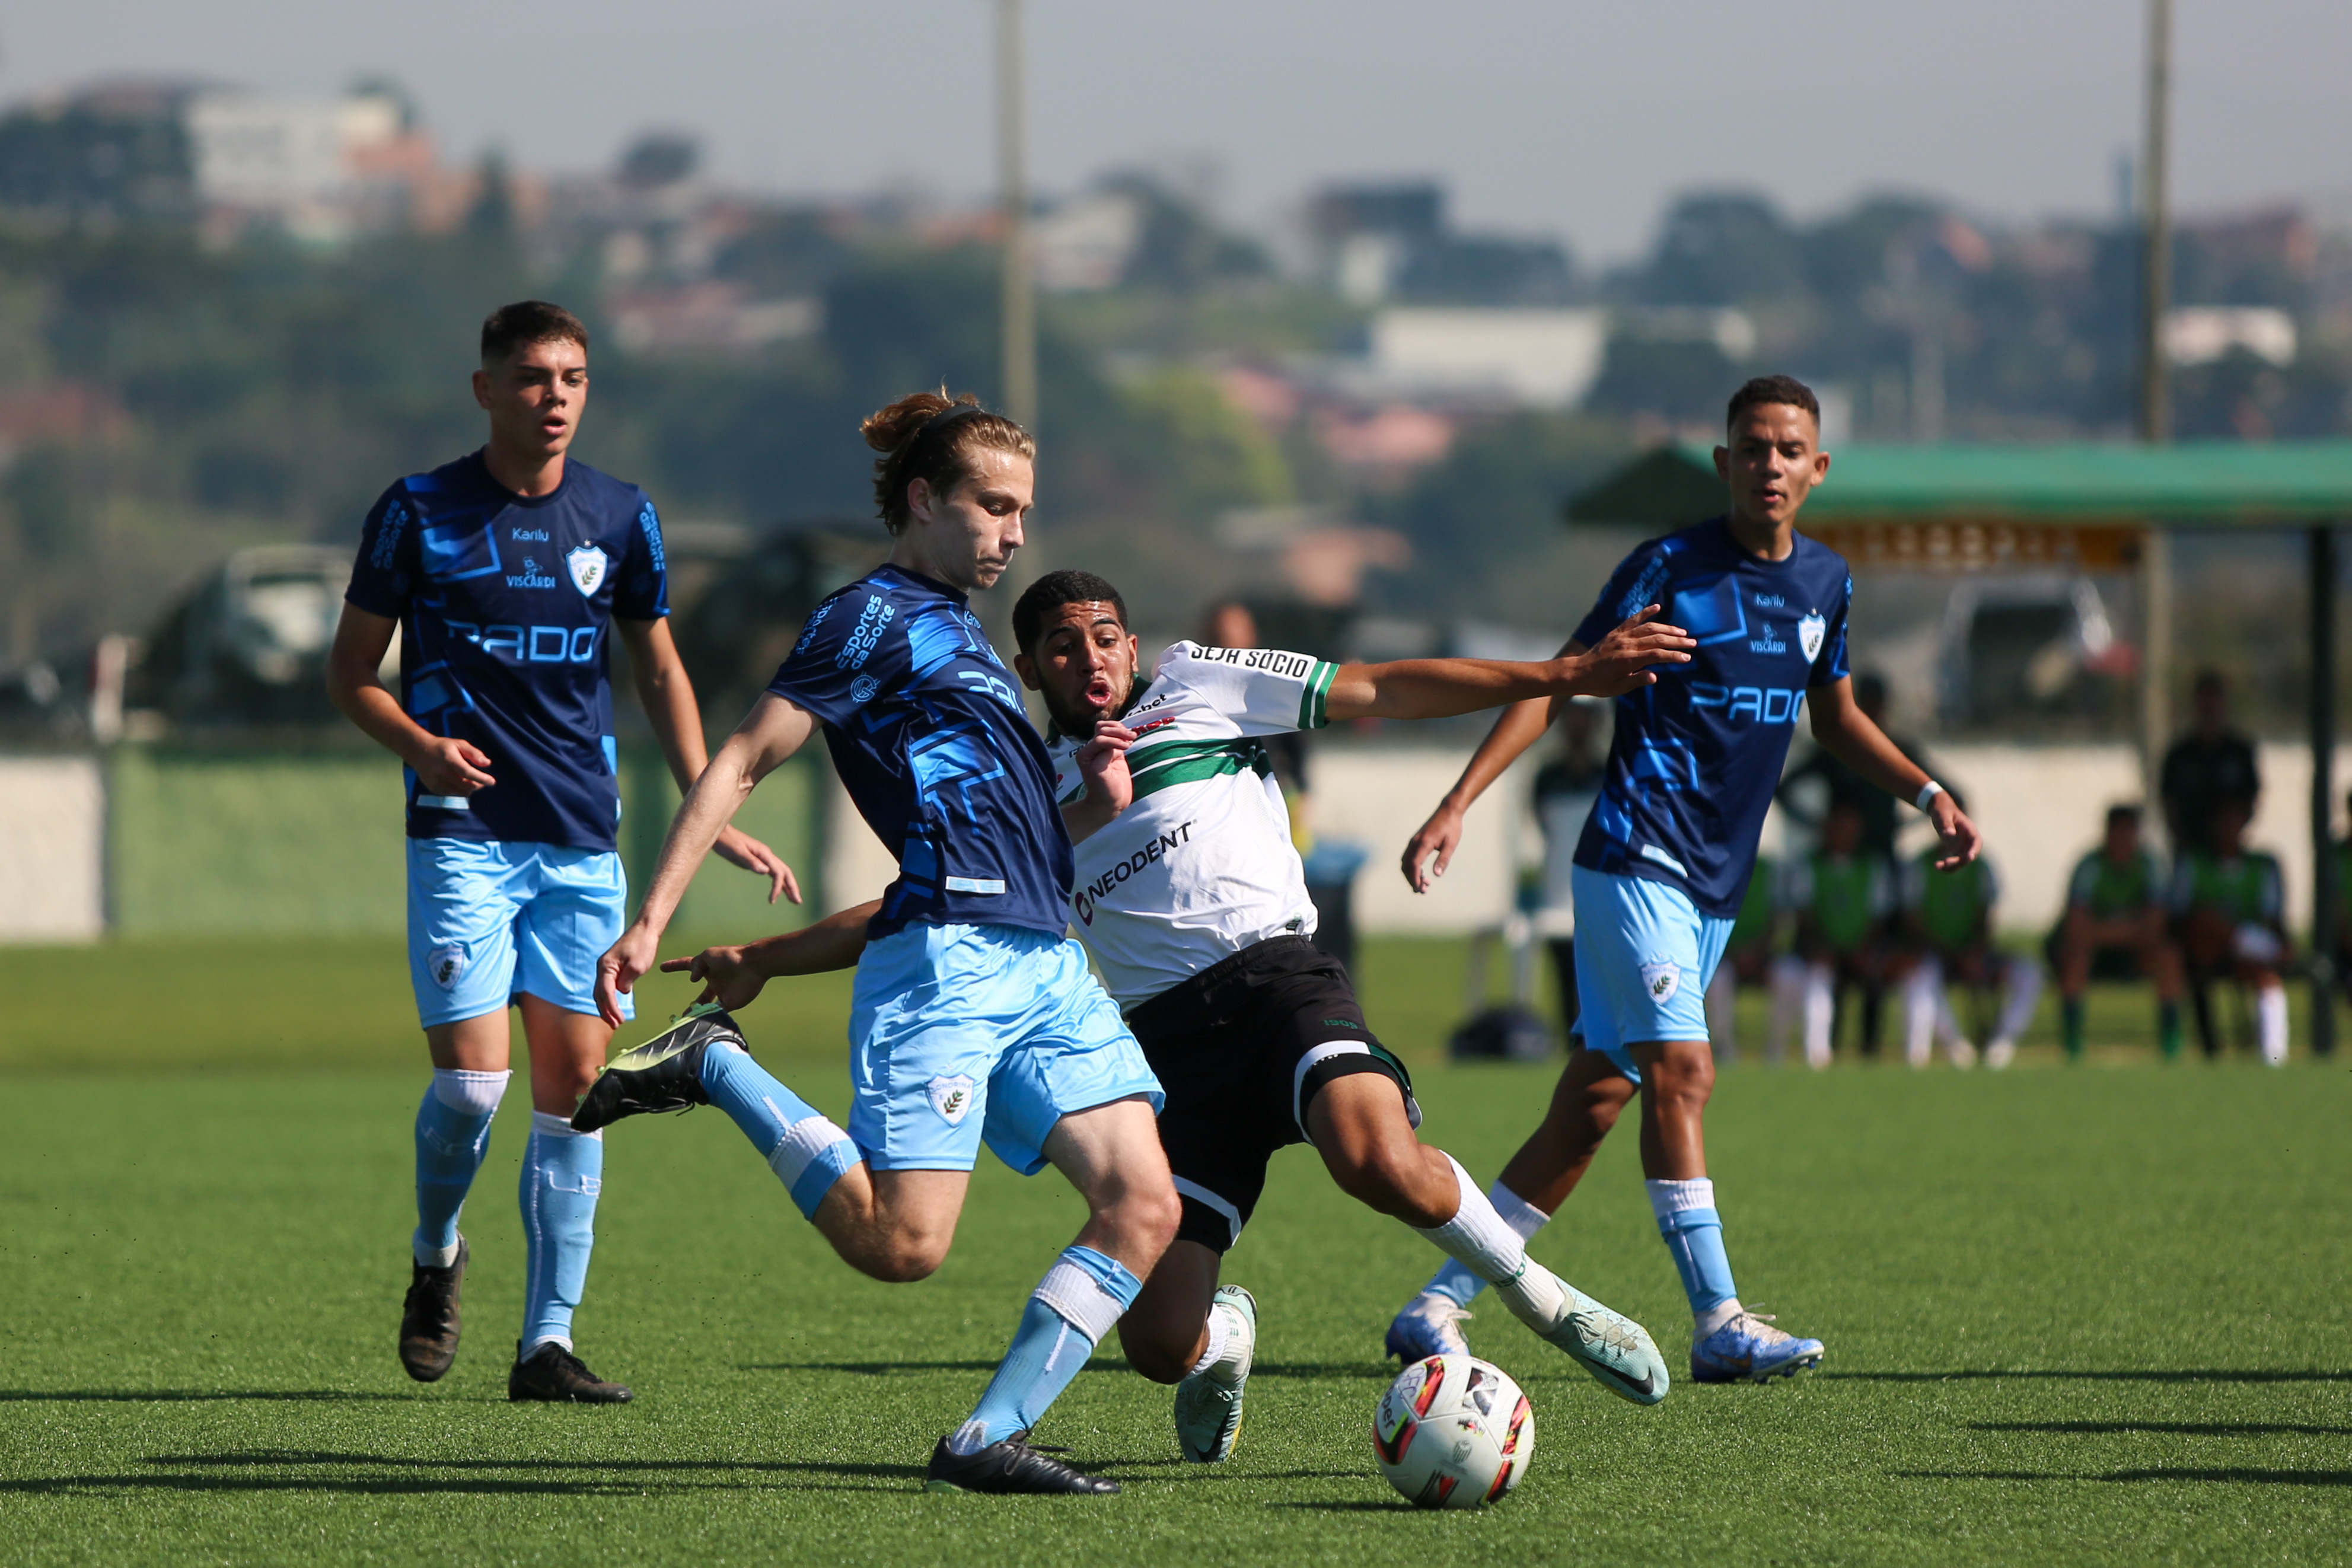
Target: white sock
(1919,999)
(1483,1242)
(1218,1337)
(2270,1022)
(2022,991)
(1821,1012)
(469,1093)
(1515,1211)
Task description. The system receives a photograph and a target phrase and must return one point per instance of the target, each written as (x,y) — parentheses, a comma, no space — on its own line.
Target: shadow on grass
(171,1395)
(260,1457)
(2186,1374)
(406,1477)
(2184,1428)
(2234,1474)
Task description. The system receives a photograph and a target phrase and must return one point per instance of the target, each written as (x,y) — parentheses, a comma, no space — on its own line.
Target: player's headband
(936,428)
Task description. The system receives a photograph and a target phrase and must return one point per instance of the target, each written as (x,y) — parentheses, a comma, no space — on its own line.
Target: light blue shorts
(487,921)
(1643,957)
(965,1033)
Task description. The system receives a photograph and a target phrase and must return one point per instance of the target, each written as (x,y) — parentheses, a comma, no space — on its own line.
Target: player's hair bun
(916,444)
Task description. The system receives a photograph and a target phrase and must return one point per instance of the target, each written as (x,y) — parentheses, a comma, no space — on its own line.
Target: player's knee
(1154,1353)
(1150,1212)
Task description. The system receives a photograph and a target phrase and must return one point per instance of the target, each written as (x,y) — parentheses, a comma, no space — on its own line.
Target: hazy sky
(1578,120)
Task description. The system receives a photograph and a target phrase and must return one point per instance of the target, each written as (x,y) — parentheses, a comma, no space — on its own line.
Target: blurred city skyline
(1538,120)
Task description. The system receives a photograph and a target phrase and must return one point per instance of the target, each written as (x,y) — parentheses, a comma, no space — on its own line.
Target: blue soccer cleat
(1748,1349)
(1431,1324)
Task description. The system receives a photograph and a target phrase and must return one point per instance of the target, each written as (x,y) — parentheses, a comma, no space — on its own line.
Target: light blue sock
(1693,1234)
(1455,1280)
(1075,1306)
(453,1133)
(563,1171)
(805,1150)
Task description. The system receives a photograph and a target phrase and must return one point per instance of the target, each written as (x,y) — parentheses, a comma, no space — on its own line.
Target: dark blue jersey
(506,607)
(931,739)
(1696,756)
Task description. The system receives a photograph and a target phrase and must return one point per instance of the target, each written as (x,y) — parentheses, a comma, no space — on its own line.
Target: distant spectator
(1566,790)
(1947,938)
(1841,896)
(2115,929)
(1878,808)
(2212,764)
(2229,907)
(1748,955)
(1230,624)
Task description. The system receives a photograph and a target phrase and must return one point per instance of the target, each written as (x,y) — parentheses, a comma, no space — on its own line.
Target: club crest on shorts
(951,1098)
(446,963)
(1811,632)
(1662,981)
(586,565)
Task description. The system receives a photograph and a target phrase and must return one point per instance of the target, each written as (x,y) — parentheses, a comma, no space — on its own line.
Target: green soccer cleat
(663,1074)
(1617,1350)
(1208,1402)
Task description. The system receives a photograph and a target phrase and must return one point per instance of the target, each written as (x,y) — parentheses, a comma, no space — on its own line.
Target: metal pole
(2155,405)
(2156,236)
(1019,304)
(2324,887)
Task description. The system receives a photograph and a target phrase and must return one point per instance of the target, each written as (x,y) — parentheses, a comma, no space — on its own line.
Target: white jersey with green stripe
(1201,866)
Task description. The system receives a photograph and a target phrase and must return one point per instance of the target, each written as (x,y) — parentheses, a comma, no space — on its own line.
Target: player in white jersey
(1192,901)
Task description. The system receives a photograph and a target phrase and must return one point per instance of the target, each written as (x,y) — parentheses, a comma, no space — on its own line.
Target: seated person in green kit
(2229,914)
(2116,928)
(1841,896)
(1948,933)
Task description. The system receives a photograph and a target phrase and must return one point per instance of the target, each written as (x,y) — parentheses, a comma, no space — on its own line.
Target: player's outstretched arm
(668,697)
(1441,688)
(444,764)
(732,976)
(769,733)
(1855,739)
(1102,763)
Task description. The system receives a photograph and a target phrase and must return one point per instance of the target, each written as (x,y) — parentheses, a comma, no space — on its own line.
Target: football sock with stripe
(2070,1024)
(453,1133)
(1693,1234)
(562,1172)
(2167,1028)
(1074,1307)
(805,1150)
(1478,1238)
(1455,1280)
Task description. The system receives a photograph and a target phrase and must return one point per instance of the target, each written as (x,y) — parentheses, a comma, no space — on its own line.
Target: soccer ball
(1454,1432)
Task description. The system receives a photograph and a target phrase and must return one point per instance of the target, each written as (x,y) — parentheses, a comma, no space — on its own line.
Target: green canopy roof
(2193,484)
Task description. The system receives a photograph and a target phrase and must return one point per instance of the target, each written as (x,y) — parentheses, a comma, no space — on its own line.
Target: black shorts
(1241,1050)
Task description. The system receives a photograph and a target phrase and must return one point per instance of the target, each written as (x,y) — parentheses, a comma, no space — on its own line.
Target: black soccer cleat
(555,1375)
(429,1318)
(663,1074)
(1010,1465)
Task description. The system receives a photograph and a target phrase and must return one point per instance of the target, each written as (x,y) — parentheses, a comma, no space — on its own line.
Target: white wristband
(1927,792)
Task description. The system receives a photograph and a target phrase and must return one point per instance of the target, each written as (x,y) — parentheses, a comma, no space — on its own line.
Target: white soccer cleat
(1999,1055)
(1964,1055)
(1208,1402)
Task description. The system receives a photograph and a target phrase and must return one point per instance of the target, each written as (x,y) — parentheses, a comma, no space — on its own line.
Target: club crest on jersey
(586,565)
(446,963)
(951,1098)
(1662,981)
(1811,632)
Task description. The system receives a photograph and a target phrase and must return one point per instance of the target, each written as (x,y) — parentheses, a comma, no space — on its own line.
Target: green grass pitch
(2088,1315)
